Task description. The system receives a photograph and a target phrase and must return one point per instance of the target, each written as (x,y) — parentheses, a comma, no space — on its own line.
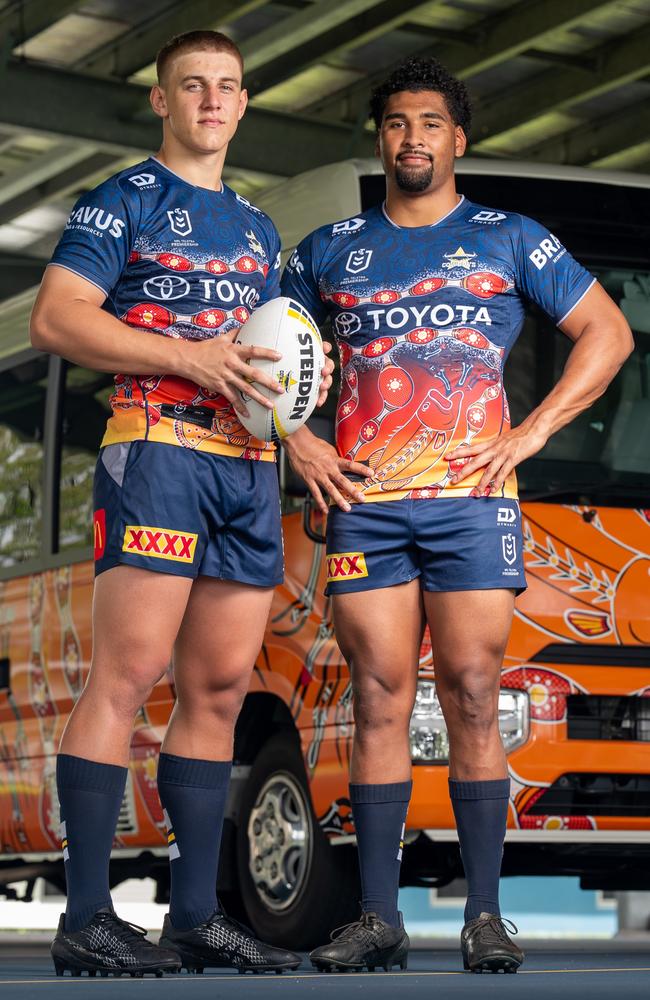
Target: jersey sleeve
(547,273)
(271,288)
(300,279)
(99,234)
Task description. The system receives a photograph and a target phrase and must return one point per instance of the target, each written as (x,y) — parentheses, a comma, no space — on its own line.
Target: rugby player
(155,272)
(426,297)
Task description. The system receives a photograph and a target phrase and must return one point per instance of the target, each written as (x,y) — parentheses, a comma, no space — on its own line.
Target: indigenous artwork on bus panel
(587,580)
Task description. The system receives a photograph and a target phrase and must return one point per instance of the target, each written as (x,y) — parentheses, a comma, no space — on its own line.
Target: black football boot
(224,943)
(486,946)
(109,946)
(366,943)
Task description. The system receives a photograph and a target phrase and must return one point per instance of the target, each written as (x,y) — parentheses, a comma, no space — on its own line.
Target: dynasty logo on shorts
(160,543)
(346,566)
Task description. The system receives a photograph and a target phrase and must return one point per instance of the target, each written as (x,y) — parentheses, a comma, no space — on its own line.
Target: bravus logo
(97,218)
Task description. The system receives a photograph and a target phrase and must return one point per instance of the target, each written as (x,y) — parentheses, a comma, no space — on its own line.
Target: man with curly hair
(426,296)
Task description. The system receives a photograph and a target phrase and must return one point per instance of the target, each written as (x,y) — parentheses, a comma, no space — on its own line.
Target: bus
(574,705)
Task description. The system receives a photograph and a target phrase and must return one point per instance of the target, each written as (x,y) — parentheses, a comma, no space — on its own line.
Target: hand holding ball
(286,327)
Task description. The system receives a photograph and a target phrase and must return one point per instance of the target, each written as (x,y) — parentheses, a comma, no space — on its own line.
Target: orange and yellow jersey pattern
(183,262)
(424,319)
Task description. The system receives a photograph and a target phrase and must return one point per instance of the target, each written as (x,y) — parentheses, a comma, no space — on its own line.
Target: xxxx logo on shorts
(161,543)
(346,566)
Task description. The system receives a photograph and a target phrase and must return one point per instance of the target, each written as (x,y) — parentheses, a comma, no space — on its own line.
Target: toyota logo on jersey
(166,287)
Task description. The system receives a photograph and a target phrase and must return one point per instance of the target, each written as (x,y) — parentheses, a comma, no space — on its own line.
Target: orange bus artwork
(575,699)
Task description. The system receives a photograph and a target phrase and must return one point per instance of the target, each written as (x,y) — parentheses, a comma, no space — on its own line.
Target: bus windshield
(603,455)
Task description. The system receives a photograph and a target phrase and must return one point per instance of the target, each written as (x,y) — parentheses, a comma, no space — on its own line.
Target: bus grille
(595,795)
(608,717)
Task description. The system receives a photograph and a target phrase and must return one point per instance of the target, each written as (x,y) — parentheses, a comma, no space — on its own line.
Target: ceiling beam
(67,175)
(490,42)
(298,29)
(23,19)
(591,141)
(617,62)
(266,140)
(279,64)
(124,56)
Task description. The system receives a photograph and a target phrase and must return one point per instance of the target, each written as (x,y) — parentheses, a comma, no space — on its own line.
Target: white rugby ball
(284,326)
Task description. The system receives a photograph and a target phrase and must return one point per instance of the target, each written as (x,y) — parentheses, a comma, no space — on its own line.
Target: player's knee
(218,701)
(473,698)
(127,686)
(379,707)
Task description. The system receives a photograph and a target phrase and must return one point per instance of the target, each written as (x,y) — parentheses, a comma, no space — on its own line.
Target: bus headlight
(428,733)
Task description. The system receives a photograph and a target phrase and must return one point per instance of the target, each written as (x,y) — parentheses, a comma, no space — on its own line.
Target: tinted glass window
(22,412)
(603,453)
(85,411)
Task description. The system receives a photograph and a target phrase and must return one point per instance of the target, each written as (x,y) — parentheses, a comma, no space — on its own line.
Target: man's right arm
(314,460)
(68,320)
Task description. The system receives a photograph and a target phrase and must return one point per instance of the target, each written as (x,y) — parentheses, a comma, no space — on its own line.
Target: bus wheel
(296,888)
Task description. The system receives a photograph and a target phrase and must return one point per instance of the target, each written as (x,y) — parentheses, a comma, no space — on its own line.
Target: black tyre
(295,887)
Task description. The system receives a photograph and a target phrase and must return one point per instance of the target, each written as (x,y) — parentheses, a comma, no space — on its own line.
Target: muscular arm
(602,342)
(67,319)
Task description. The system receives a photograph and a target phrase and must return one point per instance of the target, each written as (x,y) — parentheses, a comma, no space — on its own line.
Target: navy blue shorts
(187,513)
(468,543)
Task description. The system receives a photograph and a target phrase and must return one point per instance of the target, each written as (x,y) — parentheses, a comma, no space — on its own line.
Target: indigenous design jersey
(184,262)
(424,319)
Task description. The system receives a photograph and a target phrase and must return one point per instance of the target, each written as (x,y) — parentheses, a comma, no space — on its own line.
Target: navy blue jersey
(181,261)
(424,319)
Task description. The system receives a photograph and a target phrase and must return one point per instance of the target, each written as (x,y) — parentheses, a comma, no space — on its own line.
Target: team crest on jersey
(346,566)
(179,221)
(160,543)
(459,258)
(358,261)
(253,242)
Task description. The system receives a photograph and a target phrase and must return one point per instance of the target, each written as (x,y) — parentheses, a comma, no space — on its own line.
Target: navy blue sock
(90,795)
(193,794)
(481,811)
(379,813)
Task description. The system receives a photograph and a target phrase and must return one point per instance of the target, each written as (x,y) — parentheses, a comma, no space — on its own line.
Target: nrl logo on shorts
(509,548)
(180,222)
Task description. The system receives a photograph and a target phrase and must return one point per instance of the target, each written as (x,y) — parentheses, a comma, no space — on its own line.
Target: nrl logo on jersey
(179,221)
(358,261)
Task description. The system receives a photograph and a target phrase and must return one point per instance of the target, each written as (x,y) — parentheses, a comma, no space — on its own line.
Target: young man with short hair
(156,271)
(425,303)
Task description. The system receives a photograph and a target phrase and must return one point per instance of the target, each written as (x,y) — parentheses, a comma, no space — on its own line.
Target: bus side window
(85,411)
(22,417)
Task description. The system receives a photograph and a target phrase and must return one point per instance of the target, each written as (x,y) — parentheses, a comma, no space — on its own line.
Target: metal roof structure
(555,81)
